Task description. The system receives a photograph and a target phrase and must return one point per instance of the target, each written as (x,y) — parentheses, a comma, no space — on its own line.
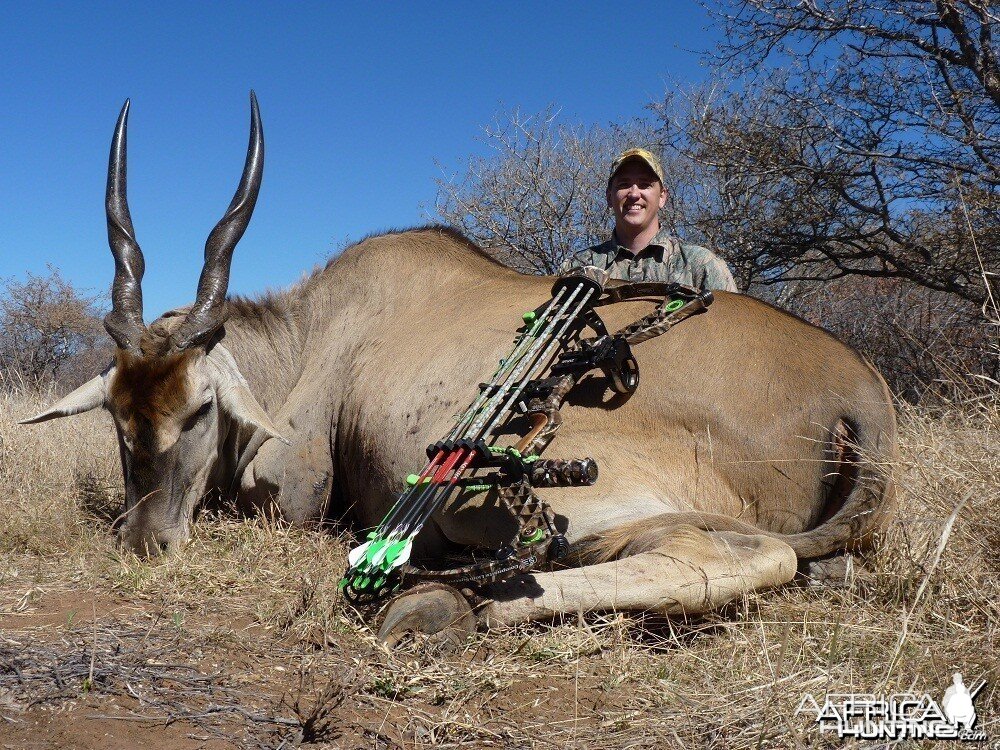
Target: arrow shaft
(537,367)
(502,377)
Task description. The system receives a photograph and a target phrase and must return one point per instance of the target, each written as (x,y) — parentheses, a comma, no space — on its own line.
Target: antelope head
(175,393)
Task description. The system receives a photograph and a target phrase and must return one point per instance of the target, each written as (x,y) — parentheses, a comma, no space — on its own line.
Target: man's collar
(657,246)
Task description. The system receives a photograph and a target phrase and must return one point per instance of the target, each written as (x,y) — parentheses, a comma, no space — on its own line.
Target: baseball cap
(637,153)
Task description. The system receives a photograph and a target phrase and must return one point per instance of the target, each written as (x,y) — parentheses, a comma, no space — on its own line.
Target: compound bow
(549,341)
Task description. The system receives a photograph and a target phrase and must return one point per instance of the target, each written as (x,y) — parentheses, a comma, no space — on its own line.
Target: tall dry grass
(926,604)
(45,474)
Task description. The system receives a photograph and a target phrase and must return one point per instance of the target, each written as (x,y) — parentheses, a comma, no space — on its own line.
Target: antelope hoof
(432,609)
(838,571)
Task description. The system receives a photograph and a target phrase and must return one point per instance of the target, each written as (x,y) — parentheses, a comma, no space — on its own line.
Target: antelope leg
(686,572)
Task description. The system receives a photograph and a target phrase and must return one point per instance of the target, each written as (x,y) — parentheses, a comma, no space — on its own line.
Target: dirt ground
(243,641)
(94,670)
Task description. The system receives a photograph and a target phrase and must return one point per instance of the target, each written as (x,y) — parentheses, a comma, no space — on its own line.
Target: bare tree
(862,138)
(925,343)
(539,196)
(45,326)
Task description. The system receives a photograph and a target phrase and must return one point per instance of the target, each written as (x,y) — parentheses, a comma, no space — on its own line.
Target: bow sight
(549,341)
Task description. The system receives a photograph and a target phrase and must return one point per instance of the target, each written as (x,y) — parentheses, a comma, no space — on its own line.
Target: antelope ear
(90,395)
(239,403)
(234,394)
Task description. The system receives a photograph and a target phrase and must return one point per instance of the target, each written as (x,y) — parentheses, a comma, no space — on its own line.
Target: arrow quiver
(547,359)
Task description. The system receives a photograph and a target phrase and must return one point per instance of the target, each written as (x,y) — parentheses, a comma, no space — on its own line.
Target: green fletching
(395,549)
(382,554)
(373,571)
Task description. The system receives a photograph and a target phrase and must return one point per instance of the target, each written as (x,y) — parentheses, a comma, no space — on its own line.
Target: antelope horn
(124,322)
(208,312)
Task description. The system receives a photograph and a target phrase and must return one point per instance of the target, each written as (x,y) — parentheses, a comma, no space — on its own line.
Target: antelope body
(754,442)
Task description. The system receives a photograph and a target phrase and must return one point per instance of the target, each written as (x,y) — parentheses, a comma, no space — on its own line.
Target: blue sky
(360,103)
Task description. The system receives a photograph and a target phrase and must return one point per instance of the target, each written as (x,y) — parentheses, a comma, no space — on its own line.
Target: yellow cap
(637,153)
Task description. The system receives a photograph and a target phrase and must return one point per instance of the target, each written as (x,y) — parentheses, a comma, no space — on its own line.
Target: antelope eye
(121,420)
(202,411)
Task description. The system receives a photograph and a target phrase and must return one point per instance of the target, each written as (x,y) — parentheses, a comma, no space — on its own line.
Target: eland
(756,442)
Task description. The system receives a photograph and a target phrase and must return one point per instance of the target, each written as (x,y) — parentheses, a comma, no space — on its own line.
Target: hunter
(639,250)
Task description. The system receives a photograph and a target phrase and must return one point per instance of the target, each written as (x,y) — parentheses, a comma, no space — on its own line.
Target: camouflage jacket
(666,258)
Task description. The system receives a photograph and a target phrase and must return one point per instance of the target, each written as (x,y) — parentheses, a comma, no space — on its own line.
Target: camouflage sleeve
(717,275)
(582,258)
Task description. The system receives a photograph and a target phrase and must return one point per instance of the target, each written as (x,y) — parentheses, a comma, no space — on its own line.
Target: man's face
(635,195)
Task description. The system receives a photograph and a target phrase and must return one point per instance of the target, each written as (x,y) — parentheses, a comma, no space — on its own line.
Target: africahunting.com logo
(901,716)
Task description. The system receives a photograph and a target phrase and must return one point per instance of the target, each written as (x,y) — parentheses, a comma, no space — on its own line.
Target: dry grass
(259,601)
